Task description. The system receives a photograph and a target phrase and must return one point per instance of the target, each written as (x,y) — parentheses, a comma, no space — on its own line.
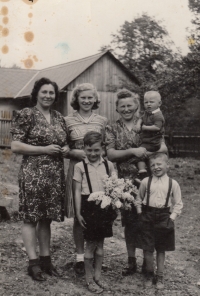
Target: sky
(42,33)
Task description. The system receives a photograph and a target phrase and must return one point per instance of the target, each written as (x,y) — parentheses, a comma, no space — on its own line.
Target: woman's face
(86,100)
(46,96)
(127,108)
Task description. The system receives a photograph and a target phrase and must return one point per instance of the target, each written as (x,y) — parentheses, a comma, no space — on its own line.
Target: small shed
(103,70)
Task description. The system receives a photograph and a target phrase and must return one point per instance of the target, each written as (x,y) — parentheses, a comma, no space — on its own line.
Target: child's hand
(137,128)
(81,221)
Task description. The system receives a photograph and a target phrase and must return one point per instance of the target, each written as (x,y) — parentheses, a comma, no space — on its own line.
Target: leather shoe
(36,273)
(50,270)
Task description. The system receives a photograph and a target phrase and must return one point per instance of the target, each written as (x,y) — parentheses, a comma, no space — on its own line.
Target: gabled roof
(63,74)
(13,80)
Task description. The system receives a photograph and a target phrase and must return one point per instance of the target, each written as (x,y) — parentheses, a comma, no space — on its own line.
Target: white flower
(98,195)
(106,201)
(118,204)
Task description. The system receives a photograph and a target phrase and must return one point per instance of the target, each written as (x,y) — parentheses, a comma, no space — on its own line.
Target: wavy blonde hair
(82,87)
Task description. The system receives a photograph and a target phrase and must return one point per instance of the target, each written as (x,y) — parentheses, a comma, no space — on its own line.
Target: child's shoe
(132,267)
(159,282)
(102,284)
(149,277)
(79,268)
(94,288)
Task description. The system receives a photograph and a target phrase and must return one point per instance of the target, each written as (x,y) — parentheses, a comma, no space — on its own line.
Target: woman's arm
(121,155)
(77,201)
(26,149)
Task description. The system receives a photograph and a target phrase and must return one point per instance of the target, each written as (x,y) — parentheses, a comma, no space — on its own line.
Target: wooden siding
(103,73)
(107,106)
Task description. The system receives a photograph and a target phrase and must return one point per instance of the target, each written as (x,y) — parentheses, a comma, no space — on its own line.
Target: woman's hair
(91,138)
(37,86)
(125,93)
(82,87)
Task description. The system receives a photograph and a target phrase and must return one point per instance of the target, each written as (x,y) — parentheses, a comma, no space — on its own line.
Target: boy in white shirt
(155,198)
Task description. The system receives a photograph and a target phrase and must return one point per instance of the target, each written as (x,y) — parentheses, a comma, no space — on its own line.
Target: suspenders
(168,193)
(87,174)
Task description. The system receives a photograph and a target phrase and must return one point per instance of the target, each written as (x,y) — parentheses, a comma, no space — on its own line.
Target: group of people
(44,138)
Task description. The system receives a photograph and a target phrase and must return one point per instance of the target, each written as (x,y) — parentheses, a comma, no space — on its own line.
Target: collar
(101,160)
(155,111)
(162,179)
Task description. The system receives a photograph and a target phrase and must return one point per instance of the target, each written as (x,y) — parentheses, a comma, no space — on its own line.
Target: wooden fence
(5,136)
(183,144)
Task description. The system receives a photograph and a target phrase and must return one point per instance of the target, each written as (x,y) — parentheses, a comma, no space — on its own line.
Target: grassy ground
(182,267)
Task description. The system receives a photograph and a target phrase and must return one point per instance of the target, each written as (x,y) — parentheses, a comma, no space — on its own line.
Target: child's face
(86,100)
(93,152)
(159,166)
(151,102)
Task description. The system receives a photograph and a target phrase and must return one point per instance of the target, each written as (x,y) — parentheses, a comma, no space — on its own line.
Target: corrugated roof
(63,74)
(19,83)
(13,80)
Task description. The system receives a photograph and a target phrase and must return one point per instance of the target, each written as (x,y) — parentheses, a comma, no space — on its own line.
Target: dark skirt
(157,229)
(99,221)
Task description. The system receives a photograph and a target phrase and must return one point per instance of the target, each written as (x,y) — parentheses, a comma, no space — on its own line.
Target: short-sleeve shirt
(119,137)
(96,174)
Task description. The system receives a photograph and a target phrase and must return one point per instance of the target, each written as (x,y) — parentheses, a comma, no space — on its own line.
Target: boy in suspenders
(97,225)
(156,196)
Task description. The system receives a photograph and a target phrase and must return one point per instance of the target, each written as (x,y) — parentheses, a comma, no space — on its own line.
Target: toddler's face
(151,102)
(159,167)
(93,152)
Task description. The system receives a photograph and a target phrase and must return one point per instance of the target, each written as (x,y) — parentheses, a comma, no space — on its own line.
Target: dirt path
(182,271)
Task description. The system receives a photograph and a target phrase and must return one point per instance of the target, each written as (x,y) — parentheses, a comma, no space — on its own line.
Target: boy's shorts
(157,229)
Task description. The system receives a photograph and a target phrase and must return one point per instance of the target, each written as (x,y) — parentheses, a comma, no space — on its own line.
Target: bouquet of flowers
(118,193)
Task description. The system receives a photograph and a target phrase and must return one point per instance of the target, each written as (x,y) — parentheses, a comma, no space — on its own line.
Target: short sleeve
(109,137)
(78,175)
(158,120)
(21,124)
(63,125)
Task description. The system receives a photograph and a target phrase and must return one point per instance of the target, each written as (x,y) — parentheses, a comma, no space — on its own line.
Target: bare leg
(160,258)
(78,237)
(29,239)
(149,261)
(142,166)
(88,259)
(98,259)
(44,236)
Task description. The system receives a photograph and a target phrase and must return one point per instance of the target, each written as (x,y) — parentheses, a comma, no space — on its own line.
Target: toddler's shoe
(79,268)
(143,175)
(159,282)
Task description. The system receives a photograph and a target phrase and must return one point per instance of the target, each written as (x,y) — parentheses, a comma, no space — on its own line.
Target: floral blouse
(119,137)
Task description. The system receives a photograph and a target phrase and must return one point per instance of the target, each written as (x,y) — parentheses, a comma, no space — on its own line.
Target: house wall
(107,77)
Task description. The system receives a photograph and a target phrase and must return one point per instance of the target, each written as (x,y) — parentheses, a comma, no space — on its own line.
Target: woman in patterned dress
(84,100)
(40,135)
(122,142)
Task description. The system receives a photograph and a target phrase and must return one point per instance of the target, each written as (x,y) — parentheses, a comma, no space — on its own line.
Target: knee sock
(88,269)
(79,257)
(98,259)
(33,262)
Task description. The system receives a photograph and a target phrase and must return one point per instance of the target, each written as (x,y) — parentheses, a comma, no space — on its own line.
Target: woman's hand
(53,149)
(140,152)
(81,220)
(80,154)
(65,150)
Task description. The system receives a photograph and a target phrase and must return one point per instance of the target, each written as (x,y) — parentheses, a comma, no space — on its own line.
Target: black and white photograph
(99,147)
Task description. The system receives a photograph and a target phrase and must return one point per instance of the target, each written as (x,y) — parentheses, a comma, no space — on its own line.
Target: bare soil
(182,268)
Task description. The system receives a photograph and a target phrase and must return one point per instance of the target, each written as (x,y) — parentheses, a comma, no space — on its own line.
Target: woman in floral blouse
(122,142)
(40,135)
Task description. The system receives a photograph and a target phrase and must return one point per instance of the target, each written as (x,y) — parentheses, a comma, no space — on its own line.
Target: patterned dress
(77,127)
(119,137)
(41,177)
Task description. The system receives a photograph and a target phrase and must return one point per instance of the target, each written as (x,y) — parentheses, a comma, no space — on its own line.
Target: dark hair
(82,87)
(158,155)
(91,138)
(37,86)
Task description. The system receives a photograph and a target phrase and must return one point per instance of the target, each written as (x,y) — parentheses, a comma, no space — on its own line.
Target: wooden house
(103,70)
